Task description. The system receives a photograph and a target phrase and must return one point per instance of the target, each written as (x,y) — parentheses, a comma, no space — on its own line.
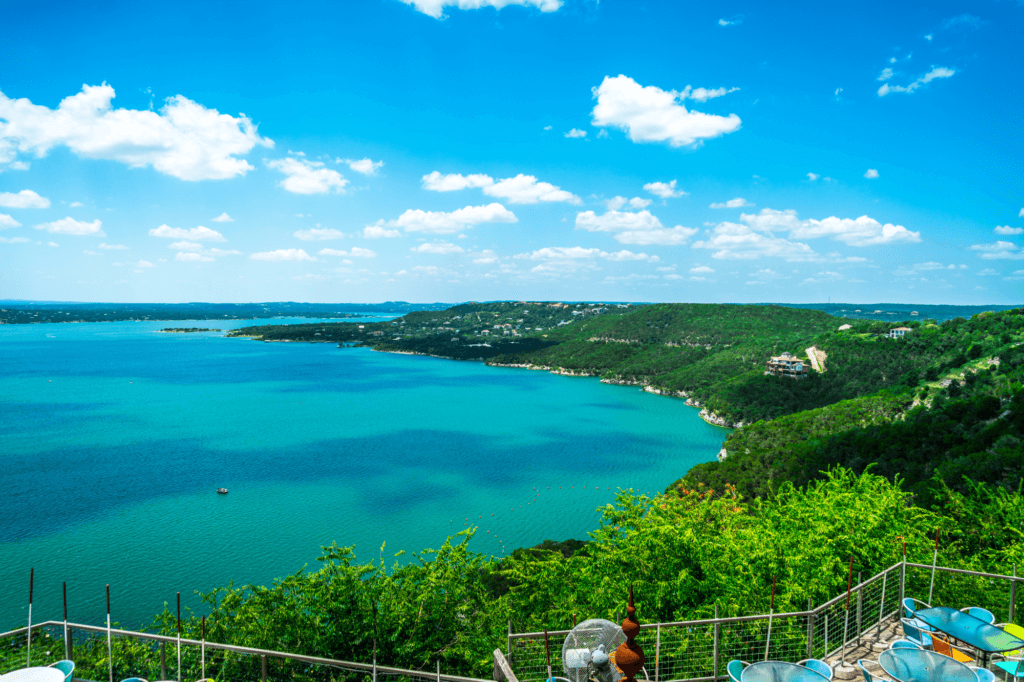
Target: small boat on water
(222,491)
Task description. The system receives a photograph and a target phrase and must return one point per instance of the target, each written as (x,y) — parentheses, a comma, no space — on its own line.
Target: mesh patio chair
(903,644)
(735,669)
(980,614)
(817,666)
(868,677)
(915,634)
(1011,667)
(66,667)
(942,646)
(910,605)
(984,674)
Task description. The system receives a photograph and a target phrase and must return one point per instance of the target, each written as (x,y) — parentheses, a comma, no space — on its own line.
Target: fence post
(903,580)
(68,644)
(1013,594)
(163,660)
(718,628)
(508,657)
(881,608)
(263,668)
(860,603)
(439,670)
(657,651)
(826,636)
(810,631)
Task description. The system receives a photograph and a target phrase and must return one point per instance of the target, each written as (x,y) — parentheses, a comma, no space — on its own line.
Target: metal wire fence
(698,650)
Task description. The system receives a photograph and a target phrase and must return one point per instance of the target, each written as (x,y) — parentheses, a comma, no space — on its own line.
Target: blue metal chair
(913,632)
(984,674)
(903,644)
(980,614)
(868,677)
(134,679)
(67,667)
(1012,667)
(735,669)
(817,666)
(910,605)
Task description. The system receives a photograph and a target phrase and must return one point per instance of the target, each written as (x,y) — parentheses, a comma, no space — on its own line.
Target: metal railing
(156,657)
(697,650)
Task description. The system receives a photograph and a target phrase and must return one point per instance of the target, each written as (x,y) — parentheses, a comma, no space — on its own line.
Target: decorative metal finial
(629,657)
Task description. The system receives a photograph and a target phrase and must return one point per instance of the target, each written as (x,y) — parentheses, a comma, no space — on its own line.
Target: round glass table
(779,671)
(919,665)
(33,675)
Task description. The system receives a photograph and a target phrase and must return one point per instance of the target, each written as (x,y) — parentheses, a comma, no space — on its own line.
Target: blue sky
(451,150)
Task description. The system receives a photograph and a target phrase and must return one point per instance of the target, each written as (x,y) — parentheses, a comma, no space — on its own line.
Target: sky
(455,150)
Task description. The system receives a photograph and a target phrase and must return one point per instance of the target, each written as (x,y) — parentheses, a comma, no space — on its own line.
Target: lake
(114,438)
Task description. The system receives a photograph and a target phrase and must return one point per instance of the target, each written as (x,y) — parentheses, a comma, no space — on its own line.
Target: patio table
(921,665)
(779,671)
(33,675)
(976,633)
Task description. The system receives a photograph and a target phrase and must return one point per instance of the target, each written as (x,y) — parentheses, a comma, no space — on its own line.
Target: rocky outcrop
(712,418)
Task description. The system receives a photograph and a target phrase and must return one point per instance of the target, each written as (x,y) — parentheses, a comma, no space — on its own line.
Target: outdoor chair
(910,606)
(817,666)
(868,677)
(984,674)
(942,646)
(980,614)
(903,644)
(735,669)
(913,633)
(1011,667)
(66,667)
(1015,630)
(134,679)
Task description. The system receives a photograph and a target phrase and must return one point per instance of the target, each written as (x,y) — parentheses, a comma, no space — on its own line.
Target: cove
(115,438)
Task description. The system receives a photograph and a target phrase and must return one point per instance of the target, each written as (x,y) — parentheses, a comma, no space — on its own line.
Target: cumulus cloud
(862,231)
(738,202)
(144,264)
(223,218)
(439,248)
(1021,213)
(1007,230)
(700,270)
(113,247)
(885,75)
(664,236)
(7,221)
(308,177)
(733,241)
(71,226)
(732,21)
(200,233)
(365,166)
(26,198)
(485,257)
(281,255)
(1000,250)
(574,253)
(435,8)
(650,114)
(187,257)
(442,222)
(615,203)
(634,228)
(379,232)
(936,72)
(76,204)
(354,252)
(576,132)
(184,139)
(318,234)
(522,189)
(665,190)
(871,173)
(813,176)
(704,94)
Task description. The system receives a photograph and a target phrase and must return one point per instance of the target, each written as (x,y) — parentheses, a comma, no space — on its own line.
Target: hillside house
(787,365)
(899,332)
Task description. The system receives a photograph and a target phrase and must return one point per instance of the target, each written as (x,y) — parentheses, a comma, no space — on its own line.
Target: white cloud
(704,94)
(439,248)
(885,75)
(441,222)
(76,204)
(14,240)
(282,255)
(20,165)
(576,132)
(987,272)
(315,234)
(379,232)
(184,139)
(813,176)
(53,244)
(700,270)
(186,257)
(863,231)
(71,226)
(650,114)
(731,22)
(666,236)
(26,198)
(308,177)
(665,190)
(936,72)
(571,253)
(929,37)
(871,173)
(522,189)
(185,246)
(738,202)
(435,8)
(733,241)
(223,218)
(1000,250)
(365,166)
(525,189)
(485,257)
(196,249)
(615,203)
(7,221)
(113,247)
(455,181)
(354,252)
(200,233)
(1021,213)
(144,264)
(634,228)
(1007,230)
(549,127)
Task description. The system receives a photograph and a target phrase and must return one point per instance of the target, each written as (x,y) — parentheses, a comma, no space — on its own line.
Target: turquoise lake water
(114,439)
